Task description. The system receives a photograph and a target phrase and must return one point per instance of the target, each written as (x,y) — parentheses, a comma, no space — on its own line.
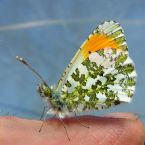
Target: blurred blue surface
(48,33)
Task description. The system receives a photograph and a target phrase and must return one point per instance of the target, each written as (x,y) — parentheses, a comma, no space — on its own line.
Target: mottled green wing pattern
(105,78)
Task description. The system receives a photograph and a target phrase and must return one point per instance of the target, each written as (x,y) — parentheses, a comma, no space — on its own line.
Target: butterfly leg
(44,118)
(64,127)
(42,124)
(85,125)
(42,113)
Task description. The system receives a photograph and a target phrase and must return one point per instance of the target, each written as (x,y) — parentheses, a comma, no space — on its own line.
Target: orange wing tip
(97,42)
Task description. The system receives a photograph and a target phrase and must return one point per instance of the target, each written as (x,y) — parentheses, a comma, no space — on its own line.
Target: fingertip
(120,128)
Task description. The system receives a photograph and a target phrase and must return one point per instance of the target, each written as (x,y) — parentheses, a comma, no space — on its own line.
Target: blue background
(48,33)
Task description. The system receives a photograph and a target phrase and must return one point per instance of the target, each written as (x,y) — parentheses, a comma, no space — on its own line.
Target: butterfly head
(50,95)
(44,90)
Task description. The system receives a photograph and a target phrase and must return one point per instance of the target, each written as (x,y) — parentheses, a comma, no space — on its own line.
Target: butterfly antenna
(22,60)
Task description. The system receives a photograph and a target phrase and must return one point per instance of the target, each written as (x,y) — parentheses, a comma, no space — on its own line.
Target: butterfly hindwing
(101,74)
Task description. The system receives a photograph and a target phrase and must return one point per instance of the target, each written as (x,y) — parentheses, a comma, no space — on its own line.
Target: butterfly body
(57,106)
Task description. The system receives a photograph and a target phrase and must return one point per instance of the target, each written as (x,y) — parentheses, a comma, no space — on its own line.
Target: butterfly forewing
(101,74)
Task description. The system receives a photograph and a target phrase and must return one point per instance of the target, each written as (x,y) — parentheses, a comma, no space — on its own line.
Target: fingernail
(126,115)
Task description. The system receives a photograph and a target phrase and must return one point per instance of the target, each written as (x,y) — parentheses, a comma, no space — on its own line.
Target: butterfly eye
(89,52)
(59,108)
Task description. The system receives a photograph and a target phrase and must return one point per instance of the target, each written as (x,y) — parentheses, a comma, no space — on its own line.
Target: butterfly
(100,75)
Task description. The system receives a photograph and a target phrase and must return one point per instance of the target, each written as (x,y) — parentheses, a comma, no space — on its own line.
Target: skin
(112,129)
